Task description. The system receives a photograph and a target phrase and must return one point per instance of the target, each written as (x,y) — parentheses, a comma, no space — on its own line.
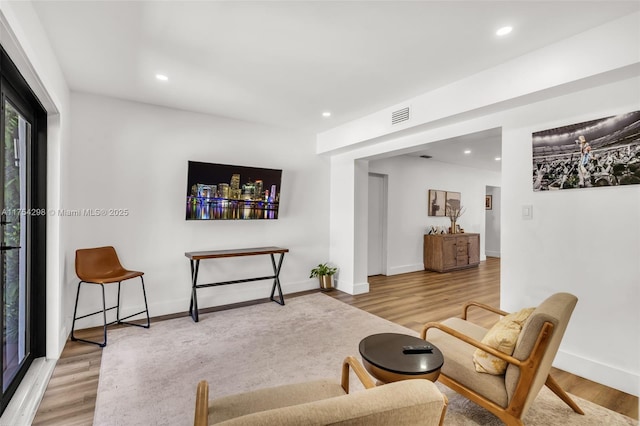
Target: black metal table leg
(195,258)
(193,306)
(276,279)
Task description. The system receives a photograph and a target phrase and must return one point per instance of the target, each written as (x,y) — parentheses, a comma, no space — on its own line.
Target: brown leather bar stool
(101,266)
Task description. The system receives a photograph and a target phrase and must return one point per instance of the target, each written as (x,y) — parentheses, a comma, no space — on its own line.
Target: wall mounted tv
(226,192)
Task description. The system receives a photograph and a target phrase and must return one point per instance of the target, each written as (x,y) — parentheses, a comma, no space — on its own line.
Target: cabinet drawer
(462,260)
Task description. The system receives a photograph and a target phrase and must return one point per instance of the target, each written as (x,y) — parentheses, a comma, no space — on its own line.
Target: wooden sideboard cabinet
(447,252)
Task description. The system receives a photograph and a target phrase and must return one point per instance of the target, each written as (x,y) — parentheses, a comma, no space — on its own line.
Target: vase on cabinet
(453,229)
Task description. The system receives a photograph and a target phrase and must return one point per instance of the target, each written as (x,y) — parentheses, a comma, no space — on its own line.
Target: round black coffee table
(383,356)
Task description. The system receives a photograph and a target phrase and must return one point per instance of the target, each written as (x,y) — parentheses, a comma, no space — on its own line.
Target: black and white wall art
(602,152)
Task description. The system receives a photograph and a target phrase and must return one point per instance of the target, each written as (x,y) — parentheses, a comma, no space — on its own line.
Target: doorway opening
(492,222)
(377,229)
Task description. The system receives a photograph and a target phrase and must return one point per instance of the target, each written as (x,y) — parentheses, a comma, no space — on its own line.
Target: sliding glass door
(22,228)
(13,248)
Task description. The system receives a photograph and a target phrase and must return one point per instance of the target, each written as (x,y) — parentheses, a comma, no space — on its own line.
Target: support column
(348,223)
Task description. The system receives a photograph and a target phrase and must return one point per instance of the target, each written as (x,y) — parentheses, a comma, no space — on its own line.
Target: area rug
(149,377)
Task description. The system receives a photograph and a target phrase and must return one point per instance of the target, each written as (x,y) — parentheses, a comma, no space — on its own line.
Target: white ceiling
(285,62)
(484,147)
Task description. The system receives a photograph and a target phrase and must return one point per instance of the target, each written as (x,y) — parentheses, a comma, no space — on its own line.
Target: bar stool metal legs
(104,310)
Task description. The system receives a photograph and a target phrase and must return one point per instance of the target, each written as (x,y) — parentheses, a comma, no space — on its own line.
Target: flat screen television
(226,192)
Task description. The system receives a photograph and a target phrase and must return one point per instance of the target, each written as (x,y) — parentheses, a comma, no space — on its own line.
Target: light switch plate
(527,212)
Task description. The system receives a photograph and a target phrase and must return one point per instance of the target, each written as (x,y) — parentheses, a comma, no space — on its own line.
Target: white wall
(134,156)
(410,179)
(492,223)
(583,241)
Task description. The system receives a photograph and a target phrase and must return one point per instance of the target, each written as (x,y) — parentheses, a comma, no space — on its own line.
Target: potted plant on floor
(325,274)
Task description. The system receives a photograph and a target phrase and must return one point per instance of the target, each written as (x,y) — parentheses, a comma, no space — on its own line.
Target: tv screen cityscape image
(227,192)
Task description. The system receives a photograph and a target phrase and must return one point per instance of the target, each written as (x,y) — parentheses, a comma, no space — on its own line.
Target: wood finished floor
(408,299)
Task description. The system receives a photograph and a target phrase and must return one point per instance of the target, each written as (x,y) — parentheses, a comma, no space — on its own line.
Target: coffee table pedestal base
(385,376)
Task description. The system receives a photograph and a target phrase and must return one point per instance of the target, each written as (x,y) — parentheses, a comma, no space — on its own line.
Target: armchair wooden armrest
(201,417)
(360,371)
(466,307)
(202,404)
(469,340)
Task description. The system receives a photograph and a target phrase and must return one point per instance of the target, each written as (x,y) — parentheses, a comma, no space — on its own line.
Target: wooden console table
(196,256)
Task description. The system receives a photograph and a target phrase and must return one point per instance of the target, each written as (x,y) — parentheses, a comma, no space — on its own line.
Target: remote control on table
(417,349)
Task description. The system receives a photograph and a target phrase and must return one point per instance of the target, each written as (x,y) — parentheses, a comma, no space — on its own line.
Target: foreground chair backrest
(322,402)
(510,395)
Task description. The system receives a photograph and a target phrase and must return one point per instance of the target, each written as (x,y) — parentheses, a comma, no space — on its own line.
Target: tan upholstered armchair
(509,395)
(410,402)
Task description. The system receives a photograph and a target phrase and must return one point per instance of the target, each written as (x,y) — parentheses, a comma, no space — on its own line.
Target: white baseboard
(403,269)
(625,381)
(24,404)
(352,288)
(492,253)
(63,335)
(361,288)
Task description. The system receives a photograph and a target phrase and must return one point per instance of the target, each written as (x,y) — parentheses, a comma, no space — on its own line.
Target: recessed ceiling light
(467,151)
(162,77)
(504,31)
(498,158)
(326,114)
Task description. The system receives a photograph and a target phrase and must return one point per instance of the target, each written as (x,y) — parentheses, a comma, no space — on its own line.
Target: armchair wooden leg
(444,410)
(555,388)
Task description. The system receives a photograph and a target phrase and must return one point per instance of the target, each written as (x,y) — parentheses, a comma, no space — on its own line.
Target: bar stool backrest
(93,264)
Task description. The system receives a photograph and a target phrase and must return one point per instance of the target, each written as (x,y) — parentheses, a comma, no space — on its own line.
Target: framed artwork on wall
(437,201)
(602,152)
(453,202)
(487,202)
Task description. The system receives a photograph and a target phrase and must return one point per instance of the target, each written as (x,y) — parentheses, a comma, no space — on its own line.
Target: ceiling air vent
(426,156)
(400,116)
